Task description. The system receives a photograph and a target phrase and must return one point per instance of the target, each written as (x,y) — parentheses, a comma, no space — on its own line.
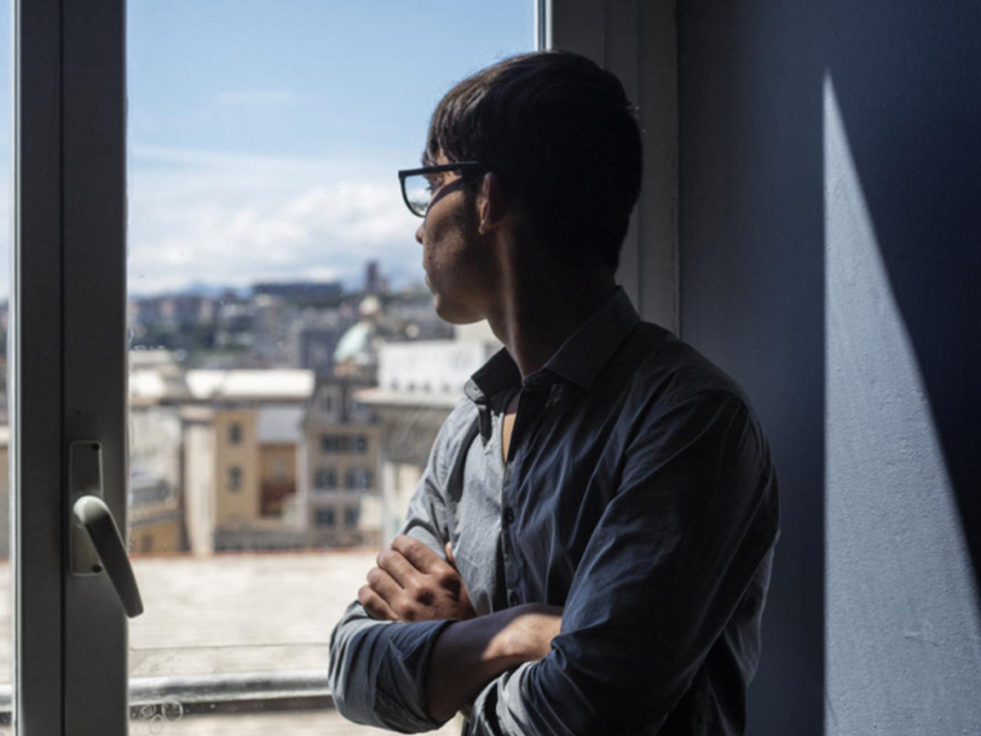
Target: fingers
(395,564)
(383,584)
(375,605)
(417,553)
(449,556)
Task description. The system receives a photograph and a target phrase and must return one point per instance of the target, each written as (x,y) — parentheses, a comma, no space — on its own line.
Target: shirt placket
(533,400)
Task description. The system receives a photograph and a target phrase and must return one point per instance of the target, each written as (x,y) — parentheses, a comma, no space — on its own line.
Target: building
(419,383)
(343,452)
(156,518)
(4,491)
(243,455)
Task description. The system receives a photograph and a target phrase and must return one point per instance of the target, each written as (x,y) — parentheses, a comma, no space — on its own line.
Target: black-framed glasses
(419,186)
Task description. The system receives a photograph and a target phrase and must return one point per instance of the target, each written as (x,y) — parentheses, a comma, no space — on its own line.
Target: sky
(264,137)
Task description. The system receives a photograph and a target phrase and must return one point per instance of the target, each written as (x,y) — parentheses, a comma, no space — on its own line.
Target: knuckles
(448,580)
(385,557)
(438,592)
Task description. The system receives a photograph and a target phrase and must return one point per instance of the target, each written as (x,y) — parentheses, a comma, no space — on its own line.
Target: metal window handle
(91,514)
(95,541)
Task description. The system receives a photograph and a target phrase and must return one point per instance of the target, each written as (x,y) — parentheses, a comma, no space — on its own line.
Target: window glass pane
(287,371)
(6,234)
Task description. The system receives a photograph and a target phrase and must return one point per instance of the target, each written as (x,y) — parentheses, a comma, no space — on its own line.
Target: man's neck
(537,315)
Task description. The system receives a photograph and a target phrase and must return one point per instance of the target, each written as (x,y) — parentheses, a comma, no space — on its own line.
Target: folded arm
(413,583)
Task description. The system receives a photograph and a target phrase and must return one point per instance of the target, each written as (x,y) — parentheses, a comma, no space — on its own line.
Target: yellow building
(243,459)
(257,488)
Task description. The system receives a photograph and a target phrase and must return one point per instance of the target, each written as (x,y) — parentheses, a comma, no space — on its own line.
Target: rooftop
(283,383)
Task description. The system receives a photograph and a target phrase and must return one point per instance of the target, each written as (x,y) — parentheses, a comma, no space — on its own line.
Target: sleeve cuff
(402,699)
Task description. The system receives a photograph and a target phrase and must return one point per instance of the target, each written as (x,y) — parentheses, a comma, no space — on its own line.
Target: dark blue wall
(753,244)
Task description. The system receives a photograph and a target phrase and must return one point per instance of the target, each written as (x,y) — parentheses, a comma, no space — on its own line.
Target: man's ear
(492,205)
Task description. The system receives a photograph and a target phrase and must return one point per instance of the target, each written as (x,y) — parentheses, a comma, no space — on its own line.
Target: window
(326,478)
(200,307)
(358,479)
(344,443)
(329,443)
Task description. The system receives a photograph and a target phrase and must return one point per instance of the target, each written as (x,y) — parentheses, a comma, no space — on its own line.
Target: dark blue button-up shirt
(639,495)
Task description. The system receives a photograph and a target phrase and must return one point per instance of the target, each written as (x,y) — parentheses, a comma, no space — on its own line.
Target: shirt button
(512,598)
(508,516)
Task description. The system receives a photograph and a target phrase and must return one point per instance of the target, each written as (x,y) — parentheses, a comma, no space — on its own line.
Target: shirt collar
(496,374)
(578,360)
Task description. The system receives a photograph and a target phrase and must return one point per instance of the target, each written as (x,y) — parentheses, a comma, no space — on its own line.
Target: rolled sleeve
(678,552)
(378,669)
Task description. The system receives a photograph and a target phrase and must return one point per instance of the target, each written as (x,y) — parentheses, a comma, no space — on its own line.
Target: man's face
(458,261)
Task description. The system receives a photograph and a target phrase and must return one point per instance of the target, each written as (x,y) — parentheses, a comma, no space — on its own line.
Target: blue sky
(264,136)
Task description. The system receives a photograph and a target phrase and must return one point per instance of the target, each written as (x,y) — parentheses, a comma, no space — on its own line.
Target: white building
(419,383)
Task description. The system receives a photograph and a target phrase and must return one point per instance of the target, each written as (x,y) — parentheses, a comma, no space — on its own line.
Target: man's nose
(419,230)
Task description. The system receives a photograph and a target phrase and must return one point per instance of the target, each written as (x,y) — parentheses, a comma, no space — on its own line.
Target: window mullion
(69,354)
(36,400)
(94,294)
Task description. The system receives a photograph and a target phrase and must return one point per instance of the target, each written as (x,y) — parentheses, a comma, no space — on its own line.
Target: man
(589,548)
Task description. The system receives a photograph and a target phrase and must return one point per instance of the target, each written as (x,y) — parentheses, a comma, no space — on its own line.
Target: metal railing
(172,698)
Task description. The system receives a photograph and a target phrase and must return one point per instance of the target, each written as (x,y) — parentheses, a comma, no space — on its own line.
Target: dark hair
(562,136)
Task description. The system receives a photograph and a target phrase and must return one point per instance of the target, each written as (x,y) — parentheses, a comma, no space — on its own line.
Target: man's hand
(413,583)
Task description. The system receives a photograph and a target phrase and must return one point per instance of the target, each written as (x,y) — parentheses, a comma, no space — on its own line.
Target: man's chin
(453,314)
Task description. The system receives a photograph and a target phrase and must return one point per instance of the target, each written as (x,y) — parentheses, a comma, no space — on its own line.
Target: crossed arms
(679,554)
(413,583)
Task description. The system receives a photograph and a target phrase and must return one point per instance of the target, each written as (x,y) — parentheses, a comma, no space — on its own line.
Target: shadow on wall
(752,294)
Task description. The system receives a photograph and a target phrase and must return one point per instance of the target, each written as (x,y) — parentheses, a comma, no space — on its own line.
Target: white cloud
(220,218)
(231,219)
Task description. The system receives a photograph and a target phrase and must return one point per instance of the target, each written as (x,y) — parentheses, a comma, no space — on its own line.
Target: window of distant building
(325,478)
(235,478)
(344,443)
(359,478)
(351,516)
(325,517)
(279,470)
(330,443)
(235,433)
